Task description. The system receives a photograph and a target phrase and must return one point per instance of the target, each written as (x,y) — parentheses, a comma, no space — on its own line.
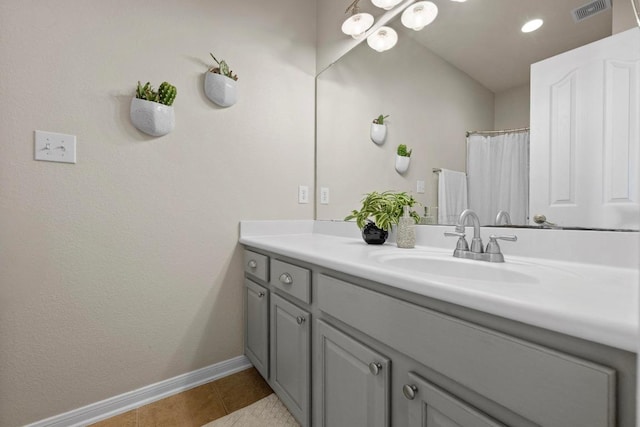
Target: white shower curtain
(498,175)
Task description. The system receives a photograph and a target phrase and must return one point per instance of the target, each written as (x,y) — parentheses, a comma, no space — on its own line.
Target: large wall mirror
(469,70)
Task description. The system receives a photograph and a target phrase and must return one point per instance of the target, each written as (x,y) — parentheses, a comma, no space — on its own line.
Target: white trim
(134,399)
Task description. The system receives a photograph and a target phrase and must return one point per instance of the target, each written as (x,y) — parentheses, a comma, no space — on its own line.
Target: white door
(585,134)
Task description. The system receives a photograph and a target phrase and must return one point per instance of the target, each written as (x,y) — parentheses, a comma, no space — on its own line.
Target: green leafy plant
(380,119)
(385,209)
(402,151)
(166,93)
(222,68)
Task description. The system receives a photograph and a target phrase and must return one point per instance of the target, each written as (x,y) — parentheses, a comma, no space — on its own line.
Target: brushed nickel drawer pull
(286,279)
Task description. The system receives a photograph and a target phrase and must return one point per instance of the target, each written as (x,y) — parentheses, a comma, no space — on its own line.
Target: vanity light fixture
(419,15)
(385,4)
(532,25)
(383,39)
(358,23)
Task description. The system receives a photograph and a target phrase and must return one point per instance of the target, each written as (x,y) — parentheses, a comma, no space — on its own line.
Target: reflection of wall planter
(151,117)
(220,89)
(402,164)
(378,133)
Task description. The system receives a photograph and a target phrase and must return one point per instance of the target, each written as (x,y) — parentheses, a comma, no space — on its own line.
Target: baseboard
(134,399)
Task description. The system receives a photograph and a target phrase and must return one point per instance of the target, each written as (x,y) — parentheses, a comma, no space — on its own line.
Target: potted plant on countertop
(379,212)
(379,129)
(220,84)
(403,158)
(151,111)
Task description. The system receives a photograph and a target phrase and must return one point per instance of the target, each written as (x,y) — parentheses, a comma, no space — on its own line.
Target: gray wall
(124,269)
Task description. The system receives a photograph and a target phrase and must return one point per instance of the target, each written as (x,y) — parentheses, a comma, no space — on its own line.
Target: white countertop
(595,302)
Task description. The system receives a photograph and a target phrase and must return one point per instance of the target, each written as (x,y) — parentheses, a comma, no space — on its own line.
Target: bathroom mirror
(466,71)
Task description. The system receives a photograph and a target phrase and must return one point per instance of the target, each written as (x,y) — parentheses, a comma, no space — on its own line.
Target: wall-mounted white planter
(151,117)
(220,89)
(378,133)
(402,164)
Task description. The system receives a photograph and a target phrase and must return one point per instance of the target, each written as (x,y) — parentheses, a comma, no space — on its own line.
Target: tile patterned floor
(198,406)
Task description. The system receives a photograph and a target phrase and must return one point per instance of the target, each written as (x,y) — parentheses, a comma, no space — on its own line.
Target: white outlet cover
(420,186)
(54,147)
(324,195)
(303,194)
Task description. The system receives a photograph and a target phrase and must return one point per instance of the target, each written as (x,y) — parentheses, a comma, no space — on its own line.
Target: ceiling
(483,37)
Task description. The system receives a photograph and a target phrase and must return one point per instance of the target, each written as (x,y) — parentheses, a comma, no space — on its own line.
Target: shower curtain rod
(494,132)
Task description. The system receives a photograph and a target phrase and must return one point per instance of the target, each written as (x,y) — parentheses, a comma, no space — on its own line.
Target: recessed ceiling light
(460,1)
(532,25)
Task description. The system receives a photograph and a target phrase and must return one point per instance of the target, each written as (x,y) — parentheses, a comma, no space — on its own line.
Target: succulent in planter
(222,68)
(403,152)
(165,95)
(380,119)
(152,111)
(385,209)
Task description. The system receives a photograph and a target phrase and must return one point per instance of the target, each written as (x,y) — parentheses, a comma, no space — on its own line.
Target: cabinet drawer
(257,265)
(294,280)
(547,387)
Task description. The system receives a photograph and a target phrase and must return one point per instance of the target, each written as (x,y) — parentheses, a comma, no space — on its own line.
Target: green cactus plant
(222,68)
(165,95)
(402,151)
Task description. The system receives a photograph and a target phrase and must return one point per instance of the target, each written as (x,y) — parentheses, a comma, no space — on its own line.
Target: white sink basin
(438,264)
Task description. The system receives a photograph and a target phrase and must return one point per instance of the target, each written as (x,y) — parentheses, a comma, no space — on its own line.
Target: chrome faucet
(477,252)
(503,215)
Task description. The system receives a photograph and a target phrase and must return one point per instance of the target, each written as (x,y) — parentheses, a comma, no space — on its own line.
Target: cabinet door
(290,357)
(256,344)
(354,381)
(430,406)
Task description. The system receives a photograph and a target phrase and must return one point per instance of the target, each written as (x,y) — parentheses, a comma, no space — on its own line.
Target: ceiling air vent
(590,9)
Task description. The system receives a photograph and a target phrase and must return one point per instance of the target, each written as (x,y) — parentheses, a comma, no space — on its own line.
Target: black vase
(374,235)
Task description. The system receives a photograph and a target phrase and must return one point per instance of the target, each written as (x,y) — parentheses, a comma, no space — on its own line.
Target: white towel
(452,196)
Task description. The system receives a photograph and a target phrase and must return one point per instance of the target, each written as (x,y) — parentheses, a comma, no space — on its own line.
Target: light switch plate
(55,147)
(420,186)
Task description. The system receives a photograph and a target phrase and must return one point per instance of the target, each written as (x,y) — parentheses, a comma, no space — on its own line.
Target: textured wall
(124,269)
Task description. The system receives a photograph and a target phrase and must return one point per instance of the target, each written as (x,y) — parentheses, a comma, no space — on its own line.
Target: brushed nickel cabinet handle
(375,368)
(409,391)
(300,320)
(253,264)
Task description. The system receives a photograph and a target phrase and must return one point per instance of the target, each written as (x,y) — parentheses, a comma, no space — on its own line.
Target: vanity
(349,334)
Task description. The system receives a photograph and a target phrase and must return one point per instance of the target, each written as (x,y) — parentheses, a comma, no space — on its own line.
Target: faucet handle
(462,244)
(493,247)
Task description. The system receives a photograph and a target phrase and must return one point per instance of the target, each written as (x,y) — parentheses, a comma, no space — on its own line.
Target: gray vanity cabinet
(430,406)
(290,357)
(354,381)
(256,344)
(382,357)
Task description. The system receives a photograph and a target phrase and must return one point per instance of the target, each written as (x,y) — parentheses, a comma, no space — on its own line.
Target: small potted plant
(379,212)
(220,84)
(379,129)
(151,111)
(403,158)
